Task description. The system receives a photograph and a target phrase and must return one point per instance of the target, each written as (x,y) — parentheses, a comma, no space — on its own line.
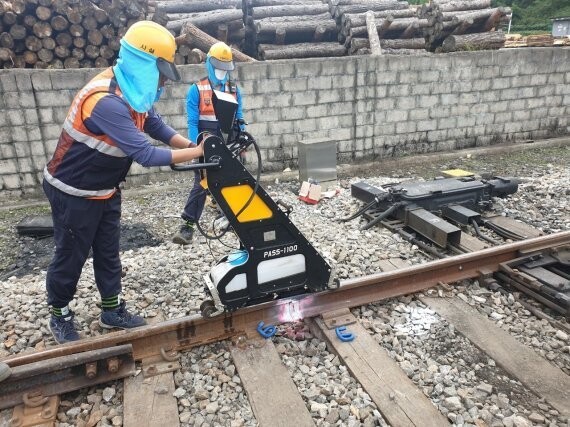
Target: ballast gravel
(164,280)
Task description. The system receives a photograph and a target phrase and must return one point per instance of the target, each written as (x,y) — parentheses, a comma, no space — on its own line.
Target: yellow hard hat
(221,56)
(154,39)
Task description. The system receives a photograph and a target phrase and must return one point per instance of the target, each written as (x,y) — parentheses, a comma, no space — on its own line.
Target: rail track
(39,378)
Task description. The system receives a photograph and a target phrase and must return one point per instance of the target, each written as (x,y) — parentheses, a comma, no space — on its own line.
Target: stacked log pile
(86,33)
(278,29)
(64,33)
(221,19)
(463,25)
(537,40)
(398,27)
(200,42)
(561,41)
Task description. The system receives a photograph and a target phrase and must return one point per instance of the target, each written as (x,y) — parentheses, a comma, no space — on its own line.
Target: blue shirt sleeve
(239,112)
(112,117)
(193,112)
(157,129)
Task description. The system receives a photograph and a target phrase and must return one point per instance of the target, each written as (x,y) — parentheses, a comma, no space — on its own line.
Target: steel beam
(433,227)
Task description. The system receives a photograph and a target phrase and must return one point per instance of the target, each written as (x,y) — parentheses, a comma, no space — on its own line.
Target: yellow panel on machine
(237,195)
(456,173)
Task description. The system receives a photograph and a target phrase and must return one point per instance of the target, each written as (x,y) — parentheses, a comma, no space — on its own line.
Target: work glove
(241,124)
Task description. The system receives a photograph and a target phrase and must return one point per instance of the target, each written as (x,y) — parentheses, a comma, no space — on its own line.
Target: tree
(531,16)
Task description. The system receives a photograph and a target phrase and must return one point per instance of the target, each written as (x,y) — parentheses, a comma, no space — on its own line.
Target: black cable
(501,231)
(209,243)
(360,211)
(226,229)
(383,215)
(410,238)
(329,211)
(247,203)
(209,236)
(481,235)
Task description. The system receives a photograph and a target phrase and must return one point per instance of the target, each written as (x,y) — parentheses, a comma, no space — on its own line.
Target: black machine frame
(265,239)
(269,238)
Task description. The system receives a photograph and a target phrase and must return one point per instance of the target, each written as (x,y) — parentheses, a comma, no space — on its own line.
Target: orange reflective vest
(207,120)
(86,164)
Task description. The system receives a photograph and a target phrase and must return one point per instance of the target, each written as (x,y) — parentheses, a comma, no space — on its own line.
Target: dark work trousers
(196,200)
(79,225)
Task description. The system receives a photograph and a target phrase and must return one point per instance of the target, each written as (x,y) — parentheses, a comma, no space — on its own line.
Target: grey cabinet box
(561,27)
(317,160)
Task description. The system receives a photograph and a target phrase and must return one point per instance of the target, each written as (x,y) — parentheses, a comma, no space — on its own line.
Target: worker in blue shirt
(202,119)
(103,133)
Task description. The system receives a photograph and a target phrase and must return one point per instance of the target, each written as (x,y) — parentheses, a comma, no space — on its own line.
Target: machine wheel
(207,308)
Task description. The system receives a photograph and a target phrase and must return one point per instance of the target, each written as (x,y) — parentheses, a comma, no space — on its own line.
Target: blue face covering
(212,74)
(137,76)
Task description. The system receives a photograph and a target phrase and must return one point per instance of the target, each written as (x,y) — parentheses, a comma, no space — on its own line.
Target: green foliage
(530,16)
(533,16)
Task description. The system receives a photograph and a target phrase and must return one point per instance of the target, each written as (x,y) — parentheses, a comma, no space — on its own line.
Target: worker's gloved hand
(241,124)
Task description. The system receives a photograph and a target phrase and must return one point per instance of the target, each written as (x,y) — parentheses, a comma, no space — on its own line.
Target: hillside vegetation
(533,16)
(530,16)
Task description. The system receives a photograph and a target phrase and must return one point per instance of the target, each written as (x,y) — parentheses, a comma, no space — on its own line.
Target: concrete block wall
(374,107)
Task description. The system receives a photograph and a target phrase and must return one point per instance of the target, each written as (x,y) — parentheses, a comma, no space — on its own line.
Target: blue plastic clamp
(343,335)
(266,331)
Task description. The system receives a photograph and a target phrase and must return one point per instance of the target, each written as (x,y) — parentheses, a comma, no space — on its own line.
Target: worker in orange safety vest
(103,133)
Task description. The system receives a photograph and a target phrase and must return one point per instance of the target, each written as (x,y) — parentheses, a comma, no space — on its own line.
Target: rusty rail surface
(59,375)
(191,331)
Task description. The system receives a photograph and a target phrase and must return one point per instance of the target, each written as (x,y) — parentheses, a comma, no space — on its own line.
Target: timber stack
(284,29)
(86,33)
(396,22)
(64,33)
(220,19)
(537,40)
(463,25)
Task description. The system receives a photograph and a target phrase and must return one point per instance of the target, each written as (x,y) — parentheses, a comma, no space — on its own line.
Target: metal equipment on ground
(435,209)
(543,275)
(274,260)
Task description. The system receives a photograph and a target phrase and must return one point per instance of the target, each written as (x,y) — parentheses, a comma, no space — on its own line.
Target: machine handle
(196,166)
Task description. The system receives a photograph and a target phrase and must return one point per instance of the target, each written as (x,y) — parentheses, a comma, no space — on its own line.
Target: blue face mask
(212,74)
(137,75)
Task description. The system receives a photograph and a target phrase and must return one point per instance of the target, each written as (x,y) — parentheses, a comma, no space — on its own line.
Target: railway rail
(87,362)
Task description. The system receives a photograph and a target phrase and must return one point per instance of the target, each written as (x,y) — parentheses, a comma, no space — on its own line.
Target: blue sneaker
(120,318)
(63,328)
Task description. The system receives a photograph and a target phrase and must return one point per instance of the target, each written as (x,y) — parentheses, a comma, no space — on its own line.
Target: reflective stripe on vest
(62,186)
(74,131)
